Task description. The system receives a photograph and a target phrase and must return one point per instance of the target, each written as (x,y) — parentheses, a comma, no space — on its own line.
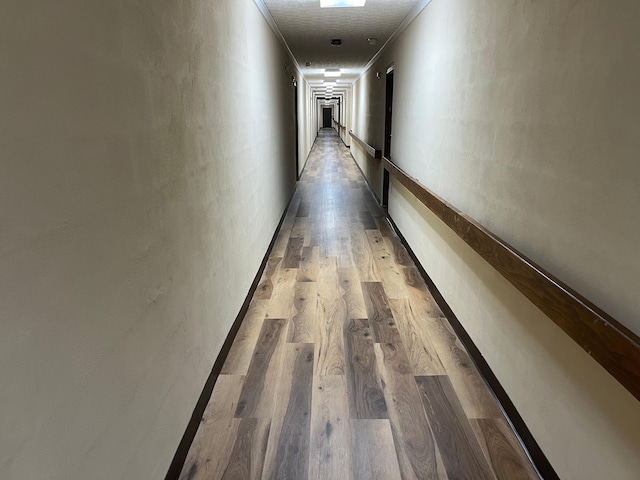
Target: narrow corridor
(344,366)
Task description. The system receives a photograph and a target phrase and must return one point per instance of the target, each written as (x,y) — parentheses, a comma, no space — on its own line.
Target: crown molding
(401,28)
(272,23)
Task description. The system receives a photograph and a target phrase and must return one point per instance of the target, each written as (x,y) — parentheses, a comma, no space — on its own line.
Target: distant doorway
(387,136)
(326,117)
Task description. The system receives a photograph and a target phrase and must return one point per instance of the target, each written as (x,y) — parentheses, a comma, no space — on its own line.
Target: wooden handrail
(610,343)
(368,148)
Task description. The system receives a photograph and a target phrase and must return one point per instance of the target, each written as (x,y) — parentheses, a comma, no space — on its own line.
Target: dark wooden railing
(368,148)
(609,342)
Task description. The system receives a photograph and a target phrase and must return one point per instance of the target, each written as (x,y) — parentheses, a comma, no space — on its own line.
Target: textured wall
(147,156)
(524,114)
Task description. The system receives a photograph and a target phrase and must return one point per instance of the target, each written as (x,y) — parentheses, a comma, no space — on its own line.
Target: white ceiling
(309,29)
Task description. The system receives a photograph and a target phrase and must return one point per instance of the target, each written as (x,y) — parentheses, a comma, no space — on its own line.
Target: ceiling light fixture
(342,3)
(332,72)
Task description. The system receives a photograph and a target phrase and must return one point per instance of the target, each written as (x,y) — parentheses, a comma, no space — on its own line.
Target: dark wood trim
(368,148)
(192,427)
(537,456)
(610,343)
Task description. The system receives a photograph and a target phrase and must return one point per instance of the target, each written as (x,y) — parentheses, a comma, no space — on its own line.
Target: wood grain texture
(247,458)
(608,341)
(352,292)
(330,454)
(362,256)
(415,337)
(257,392)
(303,324)
(209,452)
(292,455)
(281,304)
(415,446)
(309,263)
(292,254)
(391,278)
(461,453)
(265,287)
(241,352)
(379,313)
(503,450)
(366,399)
(374,457)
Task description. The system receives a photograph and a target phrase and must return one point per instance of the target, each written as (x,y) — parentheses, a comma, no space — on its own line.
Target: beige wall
(147,156)
(524,115)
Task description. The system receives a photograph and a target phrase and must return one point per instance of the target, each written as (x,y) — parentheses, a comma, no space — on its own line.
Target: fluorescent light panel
(332,72)
(342,3)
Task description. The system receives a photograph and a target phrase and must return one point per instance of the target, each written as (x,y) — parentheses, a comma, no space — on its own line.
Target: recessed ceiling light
(342,3)
(332,72)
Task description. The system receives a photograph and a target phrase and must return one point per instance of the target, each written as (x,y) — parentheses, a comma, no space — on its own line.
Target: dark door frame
(388,111)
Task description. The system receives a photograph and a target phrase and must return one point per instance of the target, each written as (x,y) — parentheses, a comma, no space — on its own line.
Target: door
(295,125)
(387,136)
(326,117)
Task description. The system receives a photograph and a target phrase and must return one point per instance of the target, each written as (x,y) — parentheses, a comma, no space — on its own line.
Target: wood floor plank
(265,287)
(309,264)
(303,210)
(385,227)
(329,342)
(332,313)
(422,354)
(421,299)
(461,452)
(352,292)
(345,258)
(210,452)
(292,254)
(366,399)
(379,313)
(361,254)
(303,324)
(374,457)
(291,460)
(256,399)
(400,255)
(247,458)
(367,220)
(281,303)
(475,397)
(391,278)
(502,449)
(241,351)
(415,446)
(301,229)
(330,453)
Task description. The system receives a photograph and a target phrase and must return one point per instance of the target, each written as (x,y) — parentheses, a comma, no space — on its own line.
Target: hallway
(344,366)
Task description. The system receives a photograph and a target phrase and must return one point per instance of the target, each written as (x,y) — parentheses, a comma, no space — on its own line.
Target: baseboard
(192,427)
(537,456)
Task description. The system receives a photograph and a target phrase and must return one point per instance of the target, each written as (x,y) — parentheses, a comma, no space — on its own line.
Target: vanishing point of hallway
(344,367)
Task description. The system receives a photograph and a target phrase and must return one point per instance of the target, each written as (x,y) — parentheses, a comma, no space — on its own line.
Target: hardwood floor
(344,366)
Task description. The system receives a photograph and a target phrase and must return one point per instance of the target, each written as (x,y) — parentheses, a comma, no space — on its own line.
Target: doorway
(387,136)
(295,124)
(326,117)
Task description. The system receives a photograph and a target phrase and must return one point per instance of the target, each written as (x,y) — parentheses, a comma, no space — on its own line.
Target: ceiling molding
(267,16)
(405,23)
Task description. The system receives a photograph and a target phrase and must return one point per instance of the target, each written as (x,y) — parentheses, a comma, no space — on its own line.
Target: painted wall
(524,115)
(147,156)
